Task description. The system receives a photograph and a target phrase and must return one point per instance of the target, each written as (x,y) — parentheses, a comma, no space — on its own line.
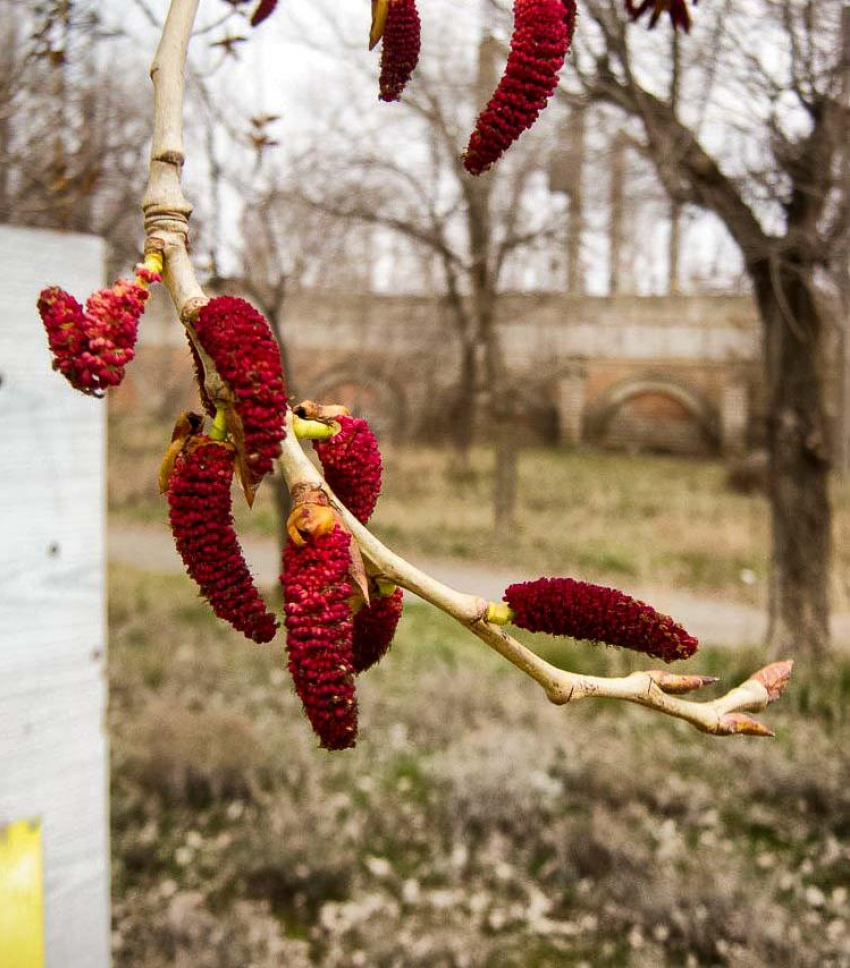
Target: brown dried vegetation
(471,826)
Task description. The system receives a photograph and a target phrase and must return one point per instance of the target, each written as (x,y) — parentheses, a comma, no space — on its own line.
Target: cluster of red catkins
(200,470)
(91,347)
(329,642)
(542,36)
(333,634)
(543,31)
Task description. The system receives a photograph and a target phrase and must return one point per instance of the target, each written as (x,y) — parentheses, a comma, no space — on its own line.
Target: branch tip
(733,724)
(675,685)
(775,678)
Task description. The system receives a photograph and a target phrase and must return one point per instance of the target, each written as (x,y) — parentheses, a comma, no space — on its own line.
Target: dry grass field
(473,825)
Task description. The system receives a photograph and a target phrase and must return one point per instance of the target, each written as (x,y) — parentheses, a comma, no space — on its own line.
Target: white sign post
(53,749)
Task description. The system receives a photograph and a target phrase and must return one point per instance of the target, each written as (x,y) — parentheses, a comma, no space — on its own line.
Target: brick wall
(679,373)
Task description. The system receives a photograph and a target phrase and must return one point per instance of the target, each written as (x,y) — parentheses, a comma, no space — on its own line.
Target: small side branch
(655,689)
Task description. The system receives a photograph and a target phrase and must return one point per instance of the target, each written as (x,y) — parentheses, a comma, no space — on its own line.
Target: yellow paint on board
(21,896)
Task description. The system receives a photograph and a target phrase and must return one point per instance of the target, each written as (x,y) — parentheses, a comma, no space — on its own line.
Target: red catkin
(319,632)
(351,462)
(352,466)
(563,606)
(239,341)
(202,524)
(91,347)
(543,32)
(374,628)
(400,52)
(676,9)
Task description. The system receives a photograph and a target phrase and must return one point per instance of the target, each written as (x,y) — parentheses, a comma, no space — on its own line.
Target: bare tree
(72,132)
(465,230)
(784,204)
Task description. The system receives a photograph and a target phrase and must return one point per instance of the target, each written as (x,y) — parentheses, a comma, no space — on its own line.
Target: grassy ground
(474,824)
(625,520)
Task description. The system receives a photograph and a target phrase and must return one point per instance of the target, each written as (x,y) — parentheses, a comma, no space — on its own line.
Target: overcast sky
(294,58)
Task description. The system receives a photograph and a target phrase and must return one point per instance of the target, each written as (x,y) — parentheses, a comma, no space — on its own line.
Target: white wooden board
(53,752)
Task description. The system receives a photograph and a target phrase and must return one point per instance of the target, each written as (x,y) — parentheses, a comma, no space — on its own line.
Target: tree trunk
(674,242)
(575,216)
(464,412)
(506,471)
(798,461)
(616,205)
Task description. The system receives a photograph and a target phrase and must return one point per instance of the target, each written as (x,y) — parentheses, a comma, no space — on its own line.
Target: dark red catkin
(202,524)
(543,32)
(401,45)
(351,462)
(374,628)
(264,10)
(563,606)
(319,632)
(676,9)
(91,347)
(239,341)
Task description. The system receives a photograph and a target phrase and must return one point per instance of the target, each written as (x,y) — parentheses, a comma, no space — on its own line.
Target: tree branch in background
(796,191)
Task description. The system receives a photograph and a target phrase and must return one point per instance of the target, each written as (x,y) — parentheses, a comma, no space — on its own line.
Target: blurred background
(621,356)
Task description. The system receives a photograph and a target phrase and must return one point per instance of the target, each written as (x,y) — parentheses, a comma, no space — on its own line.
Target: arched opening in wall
(379,401)
(653,416)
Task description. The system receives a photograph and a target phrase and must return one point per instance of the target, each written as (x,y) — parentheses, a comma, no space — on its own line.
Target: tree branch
(686,169)
(167,214)
(655,690)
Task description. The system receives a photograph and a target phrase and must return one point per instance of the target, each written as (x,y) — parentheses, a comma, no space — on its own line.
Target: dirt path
(713,620)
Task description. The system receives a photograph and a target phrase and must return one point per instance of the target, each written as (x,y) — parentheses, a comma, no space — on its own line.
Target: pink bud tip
(733,724)
(775,678)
